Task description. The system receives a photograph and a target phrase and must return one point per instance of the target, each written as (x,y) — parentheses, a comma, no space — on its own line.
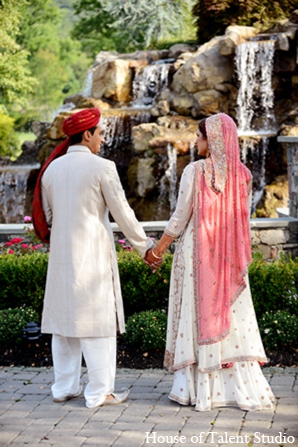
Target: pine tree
(124,26)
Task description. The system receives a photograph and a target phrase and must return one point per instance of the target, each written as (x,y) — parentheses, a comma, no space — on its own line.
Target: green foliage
(15,79)
(127,26)
(141,289)
(147,329)
(278,329)
(9,144)
(12,321)
(55,60)
(274,285)
(213,16)
(274,290)
(22,280)
(93,28)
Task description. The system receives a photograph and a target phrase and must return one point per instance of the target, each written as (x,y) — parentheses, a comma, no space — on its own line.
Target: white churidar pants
(100,358)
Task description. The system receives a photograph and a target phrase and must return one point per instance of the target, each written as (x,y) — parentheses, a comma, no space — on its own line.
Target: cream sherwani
(83,297)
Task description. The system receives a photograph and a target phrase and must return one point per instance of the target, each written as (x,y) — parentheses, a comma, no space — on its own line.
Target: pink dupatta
(222,248)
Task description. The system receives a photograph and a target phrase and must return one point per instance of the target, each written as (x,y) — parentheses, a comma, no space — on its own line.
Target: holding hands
(153,256)
(153,260)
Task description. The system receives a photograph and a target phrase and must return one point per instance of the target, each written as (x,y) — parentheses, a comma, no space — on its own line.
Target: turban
(78,122)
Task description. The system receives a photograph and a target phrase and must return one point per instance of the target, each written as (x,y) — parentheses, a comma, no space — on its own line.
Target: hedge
(274,288)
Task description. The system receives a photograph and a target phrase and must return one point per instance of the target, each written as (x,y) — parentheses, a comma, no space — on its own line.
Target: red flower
(7,244)
(11,252)
(16,240)
(24,245)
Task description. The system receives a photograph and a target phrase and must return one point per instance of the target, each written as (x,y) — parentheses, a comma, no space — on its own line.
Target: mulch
(38,354)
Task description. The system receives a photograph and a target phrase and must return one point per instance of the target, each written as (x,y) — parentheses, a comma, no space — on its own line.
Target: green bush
(274,286)
(12,321)
(22,280)
(278,329)
(147,329)
(141,289)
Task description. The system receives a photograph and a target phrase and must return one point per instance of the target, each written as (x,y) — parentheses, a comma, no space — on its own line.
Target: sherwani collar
(78,148)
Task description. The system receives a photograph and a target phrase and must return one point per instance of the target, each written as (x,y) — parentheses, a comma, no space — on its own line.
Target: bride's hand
(152,260)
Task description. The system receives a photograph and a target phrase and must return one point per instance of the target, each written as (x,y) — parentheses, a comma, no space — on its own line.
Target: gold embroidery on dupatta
(216,165)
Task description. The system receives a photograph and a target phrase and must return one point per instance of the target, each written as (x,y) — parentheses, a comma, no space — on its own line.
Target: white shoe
(59,400)
(118,398)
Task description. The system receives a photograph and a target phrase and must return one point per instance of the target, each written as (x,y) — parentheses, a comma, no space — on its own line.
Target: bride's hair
(202,127)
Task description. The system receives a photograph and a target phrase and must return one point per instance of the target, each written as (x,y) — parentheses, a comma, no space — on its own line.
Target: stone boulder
(234,35)
(178,49)
(206,69)
(112,80)
(174,131)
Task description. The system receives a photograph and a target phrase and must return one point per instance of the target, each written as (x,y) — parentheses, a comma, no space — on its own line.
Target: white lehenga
(199,378)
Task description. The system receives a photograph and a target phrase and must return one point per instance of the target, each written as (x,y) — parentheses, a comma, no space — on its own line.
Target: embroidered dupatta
(222,248)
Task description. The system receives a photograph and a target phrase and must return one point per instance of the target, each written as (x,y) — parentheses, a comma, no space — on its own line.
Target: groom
(83,306)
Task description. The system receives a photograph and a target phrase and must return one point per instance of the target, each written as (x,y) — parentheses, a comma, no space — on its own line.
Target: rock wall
(201,81)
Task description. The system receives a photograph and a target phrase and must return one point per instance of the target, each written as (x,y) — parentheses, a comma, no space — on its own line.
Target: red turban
(78,122)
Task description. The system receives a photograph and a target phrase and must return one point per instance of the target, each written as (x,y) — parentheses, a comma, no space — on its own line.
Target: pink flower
(11,252)
(24,245)
(27,219)
(33,247)
(7,244)
(127,247)
(38,246)
(16,240)
(121,241)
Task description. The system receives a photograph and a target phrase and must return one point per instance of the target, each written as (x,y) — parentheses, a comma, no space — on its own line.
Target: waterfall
(254,65)
(255,113)
(87,87)
(117,128)
(253,153)
(13,191)
(148,82)
(63,108)
(168,183)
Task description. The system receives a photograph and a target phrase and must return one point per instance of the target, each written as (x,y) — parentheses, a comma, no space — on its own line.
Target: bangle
(154,255)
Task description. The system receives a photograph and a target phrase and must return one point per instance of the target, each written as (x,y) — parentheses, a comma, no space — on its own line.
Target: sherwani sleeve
(121,211)
(184,206)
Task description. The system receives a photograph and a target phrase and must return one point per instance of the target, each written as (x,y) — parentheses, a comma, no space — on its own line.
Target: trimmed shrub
(141,289)
(12,321)
(278,329)
(147,329)
(274,286)
(22,280)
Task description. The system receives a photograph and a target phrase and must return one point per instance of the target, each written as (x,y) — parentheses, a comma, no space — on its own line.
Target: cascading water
(168,183)
(148,82)
(255,102)
(254,62)
(13,190)
(87,87)
(118,127)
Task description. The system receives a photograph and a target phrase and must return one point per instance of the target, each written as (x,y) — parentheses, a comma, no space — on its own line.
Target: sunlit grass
(22,137)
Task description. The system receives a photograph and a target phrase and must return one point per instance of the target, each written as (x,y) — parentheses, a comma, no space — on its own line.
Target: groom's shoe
(60,400)
(115,399)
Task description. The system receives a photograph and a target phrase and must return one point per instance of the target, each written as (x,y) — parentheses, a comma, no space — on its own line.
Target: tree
(55,60)
(15,78)
(128,25)
(213,16)
(93,29)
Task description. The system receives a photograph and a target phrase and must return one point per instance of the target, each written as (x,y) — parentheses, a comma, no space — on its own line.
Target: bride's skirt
(243,386)
(226,373)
